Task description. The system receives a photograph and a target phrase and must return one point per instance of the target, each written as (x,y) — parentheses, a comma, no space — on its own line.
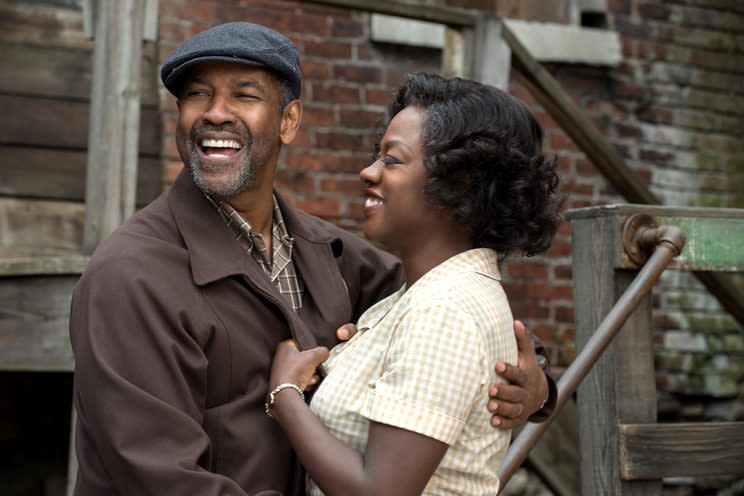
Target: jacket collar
(212,249)
(214,254)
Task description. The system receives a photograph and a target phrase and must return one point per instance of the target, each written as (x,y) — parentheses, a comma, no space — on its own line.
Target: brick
(377,97)
(322,207)
(328,162)
(308,23)
(302,138)
(349,186)
(344,28)
(531,271)
(318,116)
(562,272)
(315,70)
(549,292)
(298,181)
(656,156)
(355,211)
(326,49)
(627,130)
(576,187)
(358,118)
(366,74)
(530,310)
(654,11)
(564,314)
(334,93)
(515,290)
(340,140)
(619,7)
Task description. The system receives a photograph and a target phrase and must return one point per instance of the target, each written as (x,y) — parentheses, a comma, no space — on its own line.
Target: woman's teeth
(372,201)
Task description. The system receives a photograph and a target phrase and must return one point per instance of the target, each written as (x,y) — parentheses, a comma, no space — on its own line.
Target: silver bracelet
(271,397)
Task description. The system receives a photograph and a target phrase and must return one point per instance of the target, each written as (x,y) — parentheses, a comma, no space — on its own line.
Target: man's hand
(511,404)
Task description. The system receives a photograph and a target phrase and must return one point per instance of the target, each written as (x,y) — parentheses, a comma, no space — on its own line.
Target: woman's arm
(396,462)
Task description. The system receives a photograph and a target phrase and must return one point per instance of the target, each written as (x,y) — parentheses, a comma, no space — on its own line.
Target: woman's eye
(388,160)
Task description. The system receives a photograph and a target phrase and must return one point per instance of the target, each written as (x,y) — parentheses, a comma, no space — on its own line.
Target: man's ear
(291,117)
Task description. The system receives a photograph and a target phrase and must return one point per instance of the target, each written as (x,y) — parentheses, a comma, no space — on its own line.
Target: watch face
(541,360)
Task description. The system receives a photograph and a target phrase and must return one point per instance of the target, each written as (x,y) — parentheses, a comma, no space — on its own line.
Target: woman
(459,182)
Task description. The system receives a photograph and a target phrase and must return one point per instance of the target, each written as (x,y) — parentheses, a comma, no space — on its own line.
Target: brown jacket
(174,328)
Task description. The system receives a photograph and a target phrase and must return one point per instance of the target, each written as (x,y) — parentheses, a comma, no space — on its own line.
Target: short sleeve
(432,372)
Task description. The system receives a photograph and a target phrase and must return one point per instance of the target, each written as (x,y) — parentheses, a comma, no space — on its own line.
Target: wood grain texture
(649,451)
(34,314)
(60,174)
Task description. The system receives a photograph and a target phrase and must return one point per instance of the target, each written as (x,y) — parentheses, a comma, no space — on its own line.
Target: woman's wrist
(271,397)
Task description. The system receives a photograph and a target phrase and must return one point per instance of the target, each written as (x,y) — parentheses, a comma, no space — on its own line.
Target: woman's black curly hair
(483,155)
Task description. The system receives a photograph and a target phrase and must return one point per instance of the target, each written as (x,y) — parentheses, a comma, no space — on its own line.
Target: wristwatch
(271,396)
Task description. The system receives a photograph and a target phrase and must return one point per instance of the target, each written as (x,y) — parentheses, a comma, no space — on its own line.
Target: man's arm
(531,393)
(140,389)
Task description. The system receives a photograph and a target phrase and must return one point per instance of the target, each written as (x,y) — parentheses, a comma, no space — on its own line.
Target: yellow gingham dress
(422,361)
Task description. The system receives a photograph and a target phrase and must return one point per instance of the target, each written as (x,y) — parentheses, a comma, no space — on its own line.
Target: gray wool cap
(239,43)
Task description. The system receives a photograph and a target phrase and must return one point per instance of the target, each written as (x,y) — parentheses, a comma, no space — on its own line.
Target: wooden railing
(623,450)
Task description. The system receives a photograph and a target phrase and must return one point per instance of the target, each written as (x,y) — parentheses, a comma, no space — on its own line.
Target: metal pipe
(670,241)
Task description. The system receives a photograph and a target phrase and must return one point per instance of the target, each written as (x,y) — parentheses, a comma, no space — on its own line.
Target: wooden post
(621,386)
(456,60)
(114,118)
(491,55)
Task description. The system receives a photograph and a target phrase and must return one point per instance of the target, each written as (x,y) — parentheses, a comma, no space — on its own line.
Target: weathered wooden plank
(54,123)
(712,244)
(652,451)
(34,313)
(60,174)
(47,265)
(33,24)
(54,71)
(33,227)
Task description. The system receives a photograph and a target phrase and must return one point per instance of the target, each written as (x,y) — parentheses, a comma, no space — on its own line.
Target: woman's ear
(291,117)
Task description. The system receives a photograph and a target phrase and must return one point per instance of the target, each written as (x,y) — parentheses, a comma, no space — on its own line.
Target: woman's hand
(295,366)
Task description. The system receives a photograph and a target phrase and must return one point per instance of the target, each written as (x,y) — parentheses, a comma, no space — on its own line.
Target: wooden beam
(114,118)
(652,451)
(431,13)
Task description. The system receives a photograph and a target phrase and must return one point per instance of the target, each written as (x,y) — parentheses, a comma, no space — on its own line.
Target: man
(176,319)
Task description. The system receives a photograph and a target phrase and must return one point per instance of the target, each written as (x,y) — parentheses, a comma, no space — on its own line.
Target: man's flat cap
(239,43)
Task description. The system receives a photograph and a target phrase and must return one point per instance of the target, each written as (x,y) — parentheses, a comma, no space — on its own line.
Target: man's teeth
(215,143)
(372,201)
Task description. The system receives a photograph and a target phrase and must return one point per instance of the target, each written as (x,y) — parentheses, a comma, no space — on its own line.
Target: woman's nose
(371,173)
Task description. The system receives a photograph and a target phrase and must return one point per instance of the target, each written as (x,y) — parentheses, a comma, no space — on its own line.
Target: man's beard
(241,180)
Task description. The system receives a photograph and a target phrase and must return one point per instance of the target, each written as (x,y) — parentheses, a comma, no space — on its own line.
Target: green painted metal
(711,244)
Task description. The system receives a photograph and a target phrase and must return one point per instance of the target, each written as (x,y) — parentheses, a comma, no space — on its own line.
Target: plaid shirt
(279,268)
(422,361)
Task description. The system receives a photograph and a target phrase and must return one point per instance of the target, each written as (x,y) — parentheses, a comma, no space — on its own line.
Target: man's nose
(220,111)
